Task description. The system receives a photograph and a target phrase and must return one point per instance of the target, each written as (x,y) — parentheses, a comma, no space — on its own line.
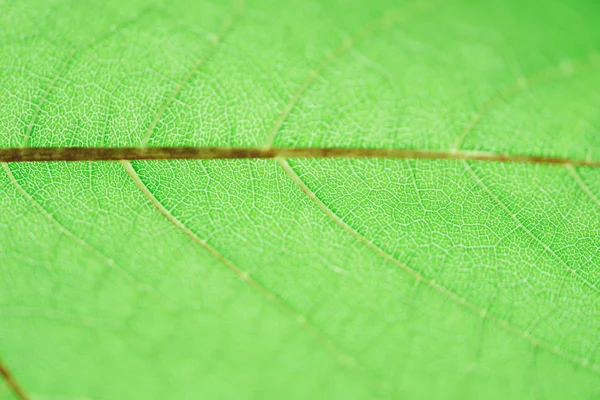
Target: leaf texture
(301,277)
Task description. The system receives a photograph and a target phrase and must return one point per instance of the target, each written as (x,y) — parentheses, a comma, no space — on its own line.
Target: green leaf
(302,277)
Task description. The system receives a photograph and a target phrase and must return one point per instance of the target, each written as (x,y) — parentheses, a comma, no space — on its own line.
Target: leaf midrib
(46,154)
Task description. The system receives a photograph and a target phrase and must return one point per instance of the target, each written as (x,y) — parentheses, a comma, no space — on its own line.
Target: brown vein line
(348,43)
(109,261)
(38,154)
(547,248)
(430,282)
(217,39)
(342,357)
(582,185)
(564,70)
(12,383)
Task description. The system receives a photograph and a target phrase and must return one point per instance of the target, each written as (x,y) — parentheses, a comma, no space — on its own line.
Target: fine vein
(528,232)
(64,66)
(389,19)
(582,185)
(217,39)
(82,242)
(38,106)
(565,69)
(343,357)
(483,313)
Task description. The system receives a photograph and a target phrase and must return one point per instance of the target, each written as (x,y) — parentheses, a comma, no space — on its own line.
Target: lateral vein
(300,319)
(483,313)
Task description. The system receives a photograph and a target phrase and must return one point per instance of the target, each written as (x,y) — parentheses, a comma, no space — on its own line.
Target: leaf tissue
(299,199)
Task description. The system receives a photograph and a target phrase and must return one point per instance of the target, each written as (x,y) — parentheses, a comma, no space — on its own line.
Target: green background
(390,279)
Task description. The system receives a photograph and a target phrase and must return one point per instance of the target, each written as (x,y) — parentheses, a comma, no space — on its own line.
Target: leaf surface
(298,278)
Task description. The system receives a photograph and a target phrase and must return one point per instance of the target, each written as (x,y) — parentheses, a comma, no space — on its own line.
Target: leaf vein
(42,154)
(12,383)
(342,357)
(573,172)
(64,66)
(526,230)
(82,242)
(387,21)
(564,70)
(217,39)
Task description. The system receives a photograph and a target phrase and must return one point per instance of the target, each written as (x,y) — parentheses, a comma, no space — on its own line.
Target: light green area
(398,279)
(6,393)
